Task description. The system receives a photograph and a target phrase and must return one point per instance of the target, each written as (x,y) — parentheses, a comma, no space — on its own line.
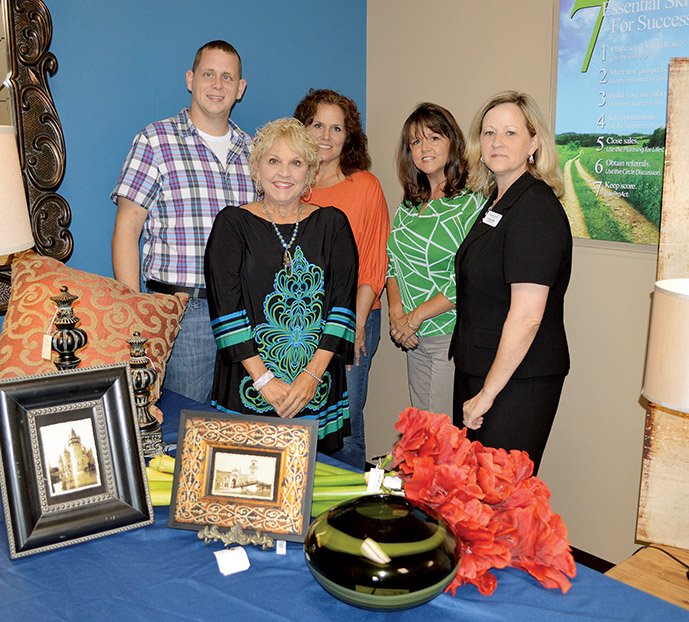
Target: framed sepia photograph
(71,465)
(253,471)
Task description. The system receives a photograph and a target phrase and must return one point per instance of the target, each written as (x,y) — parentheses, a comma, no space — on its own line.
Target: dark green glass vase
(381,552)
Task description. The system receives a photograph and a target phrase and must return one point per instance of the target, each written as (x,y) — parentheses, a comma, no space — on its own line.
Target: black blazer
(531,243)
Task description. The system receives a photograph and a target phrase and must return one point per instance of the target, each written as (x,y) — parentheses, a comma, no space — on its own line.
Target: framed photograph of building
(256,472)
(71,465)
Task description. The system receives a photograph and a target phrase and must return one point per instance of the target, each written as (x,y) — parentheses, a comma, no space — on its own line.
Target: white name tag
(492,218)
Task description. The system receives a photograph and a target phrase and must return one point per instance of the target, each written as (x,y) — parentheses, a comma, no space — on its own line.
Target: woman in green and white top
(430,224)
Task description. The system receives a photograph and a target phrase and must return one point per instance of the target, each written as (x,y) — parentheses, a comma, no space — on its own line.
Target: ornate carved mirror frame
(27,36)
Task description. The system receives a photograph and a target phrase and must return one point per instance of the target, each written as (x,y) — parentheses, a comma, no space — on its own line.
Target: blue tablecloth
(157,573)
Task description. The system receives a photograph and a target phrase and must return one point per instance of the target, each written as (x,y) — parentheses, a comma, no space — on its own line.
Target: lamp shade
(666,377)
(15,226)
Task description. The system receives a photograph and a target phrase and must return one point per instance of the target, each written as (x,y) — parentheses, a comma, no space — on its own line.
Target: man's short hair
(217,44)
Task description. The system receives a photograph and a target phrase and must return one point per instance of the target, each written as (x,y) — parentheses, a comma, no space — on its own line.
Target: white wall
(457,54)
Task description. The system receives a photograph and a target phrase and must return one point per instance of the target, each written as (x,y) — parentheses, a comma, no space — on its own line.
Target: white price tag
(46,350)
(375,480)
(232,560)
(281,547)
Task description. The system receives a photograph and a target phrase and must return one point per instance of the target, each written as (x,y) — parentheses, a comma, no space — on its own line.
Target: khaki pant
(431,374)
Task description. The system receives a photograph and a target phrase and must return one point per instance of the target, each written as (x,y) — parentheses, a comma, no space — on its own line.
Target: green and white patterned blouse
(421,253)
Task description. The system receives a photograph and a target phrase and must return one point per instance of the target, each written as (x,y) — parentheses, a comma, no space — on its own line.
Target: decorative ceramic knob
(67,338)
(143,377)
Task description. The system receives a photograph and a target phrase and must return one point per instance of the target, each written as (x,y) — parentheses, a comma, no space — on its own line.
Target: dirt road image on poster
(611,112)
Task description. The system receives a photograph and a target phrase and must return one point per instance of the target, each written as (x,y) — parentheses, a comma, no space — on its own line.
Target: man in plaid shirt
(179,173)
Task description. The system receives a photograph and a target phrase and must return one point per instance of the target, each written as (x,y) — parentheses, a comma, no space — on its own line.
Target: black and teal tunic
(258,307)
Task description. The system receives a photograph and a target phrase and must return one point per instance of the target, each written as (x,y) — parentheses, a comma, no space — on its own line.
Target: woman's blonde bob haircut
(546,164)
(295,134)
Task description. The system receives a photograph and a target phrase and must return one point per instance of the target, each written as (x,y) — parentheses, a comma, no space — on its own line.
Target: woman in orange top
(343,180)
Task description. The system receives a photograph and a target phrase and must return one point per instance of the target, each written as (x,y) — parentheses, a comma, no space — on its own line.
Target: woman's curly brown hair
(354,155)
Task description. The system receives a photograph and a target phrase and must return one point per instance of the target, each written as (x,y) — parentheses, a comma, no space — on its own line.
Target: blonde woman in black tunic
(281,277)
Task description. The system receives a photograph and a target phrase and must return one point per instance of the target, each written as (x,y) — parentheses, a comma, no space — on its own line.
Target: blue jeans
(354,450)
(192,362)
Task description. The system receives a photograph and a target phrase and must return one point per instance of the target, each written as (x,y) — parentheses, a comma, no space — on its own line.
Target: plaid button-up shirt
(171,172)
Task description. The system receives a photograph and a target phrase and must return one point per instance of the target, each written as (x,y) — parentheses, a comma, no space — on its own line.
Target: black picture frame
(71,465)
(253,471)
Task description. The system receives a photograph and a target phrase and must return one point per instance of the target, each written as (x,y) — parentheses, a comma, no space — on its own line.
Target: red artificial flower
(499,471)
(541,548)
(486,583)
(499,512)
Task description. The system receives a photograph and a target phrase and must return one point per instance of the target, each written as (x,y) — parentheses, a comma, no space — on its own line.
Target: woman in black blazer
(512,270)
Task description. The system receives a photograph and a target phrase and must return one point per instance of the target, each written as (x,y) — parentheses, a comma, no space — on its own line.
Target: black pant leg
(521,416)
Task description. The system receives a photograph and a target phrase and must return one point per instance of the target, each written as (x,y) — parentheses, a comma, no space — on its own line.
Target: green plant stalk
(318,507)
(159,485)
(338,493)
(329,469)
(162,462)
(154,475)
(347,479)
(161,497)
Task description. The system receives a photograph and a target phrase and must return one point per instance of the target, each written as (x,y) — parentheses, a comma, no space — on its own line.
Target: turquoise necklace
(286,257)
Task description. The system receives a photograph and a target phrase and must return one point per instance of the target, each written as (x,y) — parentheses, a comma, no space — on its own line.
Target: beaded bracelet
(310,373)
(263,380)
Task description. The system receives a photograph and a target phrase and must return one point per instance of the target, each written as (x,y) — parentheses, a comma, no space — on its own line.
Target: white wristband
(263,380)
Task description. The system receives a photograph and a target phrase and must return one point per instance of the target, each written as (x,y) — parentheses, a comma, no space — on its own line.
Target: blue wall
(121,65)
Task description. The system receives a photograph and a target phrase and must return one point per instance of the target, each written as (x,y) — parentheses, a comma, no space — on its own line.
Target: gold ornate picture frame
(255,472)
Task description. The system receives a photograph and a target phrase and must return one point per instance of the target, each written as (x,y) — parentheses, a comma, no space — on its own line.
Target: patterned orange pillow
(108,311)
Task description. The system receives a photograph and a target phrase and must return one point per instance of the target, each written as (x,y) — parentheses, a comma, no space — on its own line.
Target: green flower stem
(346,479)
(338,493)
(329,469)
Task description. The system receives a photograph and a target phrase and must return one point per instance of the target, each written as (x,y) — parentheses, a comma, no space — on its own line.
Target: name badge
(492,218)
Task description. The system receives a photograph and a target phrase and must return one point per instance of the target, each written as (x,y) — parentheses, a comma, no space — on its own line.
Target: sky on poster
(640,38)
